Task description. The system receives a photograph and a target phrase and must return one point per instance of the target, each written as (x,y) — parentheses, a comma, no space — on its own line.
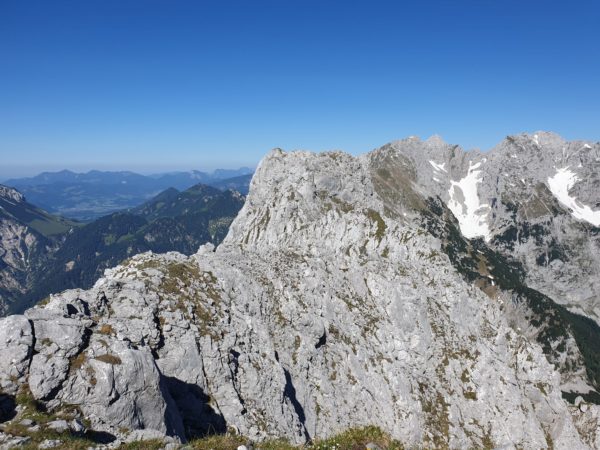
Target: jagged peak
(537,139)
(435,145)
(436,140)
(433,148)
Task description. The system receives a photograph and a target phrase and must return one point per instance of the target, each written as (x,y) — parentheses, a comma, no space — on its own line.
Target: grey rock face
(8,442)
(64,335)
(22,248)
(121,386)
(11,194)
(535,197)
(46,374)
(332,303)
(50,443)
(16,338)
(17,242)
(58,425)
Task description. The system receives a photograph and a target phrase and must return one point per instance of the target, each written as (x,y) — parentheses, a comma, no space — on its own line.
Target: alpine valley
(88,196)
(449,298)
(41,254)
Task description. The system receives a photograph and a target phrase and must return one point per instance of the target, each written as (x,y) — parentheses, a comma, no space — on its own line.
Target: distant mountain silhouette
(87,196)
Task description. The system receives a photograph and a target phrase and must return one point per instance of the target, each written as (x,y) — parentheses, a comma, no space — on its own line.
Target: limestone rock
(59,426)
(344,295)
(46,374)
(53,328)
(9,442)
(16,338)
(49,443)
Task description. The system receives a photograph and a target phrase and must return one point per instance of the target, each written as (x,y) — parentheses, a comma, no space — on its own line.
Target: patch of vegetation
(77,362)
(549,440)
(109,359)
(436,418)
(470,395)
(465,378)
(352,439)
(558,322)
(153,444)
(181,281)
(378,220)
(218,442)
(589,397)
(331,202)
(542,387)
(554,251)
(106,329)
(68,441)
(393,178)
(31,409)
(358,438)
(25,399)
(337,335)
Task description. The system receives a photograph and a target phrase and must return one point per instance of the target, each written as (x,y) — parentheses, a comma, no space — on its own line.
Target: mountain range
(87,196)
(42,254)
(447,297)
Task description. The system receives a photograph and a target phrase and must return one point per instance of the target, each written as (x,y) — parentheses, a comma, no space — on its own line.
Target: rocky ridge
(27,237)
(344,295)
(533,197)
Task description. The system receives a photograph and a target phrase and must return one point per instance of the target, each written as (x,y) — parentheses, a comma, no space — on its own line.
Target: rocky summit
(447,297)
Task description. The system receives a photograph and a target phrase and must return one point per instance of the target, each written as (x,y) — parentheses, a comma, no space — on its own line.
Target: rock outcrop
(344,295)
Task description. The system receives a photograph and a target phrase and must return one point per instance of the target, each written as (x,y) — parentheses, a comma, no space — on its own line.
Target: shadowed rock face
(343,295)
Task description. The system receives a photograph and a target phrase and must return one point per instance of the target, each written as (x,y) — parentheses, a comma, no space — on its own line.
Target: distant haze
(19,171)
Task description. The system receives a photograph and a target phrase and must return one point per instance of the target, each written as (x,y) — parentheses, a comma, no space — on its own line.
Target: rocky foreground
(343,296)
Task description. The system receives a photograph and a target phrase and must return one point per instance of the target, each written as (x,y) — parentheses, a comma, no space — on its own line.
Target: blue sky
(160,85)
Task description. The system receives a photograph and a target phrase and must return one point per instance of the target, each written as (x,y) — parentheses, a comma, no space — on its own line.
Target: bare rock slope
(343,295)
(535,197)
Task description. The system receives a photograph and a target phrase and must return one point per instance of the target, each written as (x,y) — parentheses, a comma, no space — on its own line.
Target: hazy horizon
(31,171)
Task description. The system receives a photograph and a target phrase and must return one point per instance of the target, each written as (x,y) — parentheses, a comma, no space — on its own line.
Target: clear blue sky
(159,85)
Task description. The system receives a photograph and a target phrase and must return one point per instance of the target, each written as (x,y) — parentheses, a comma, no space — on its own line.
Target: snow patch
(438,167)
(468,210)
(560,184)
(536,139)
